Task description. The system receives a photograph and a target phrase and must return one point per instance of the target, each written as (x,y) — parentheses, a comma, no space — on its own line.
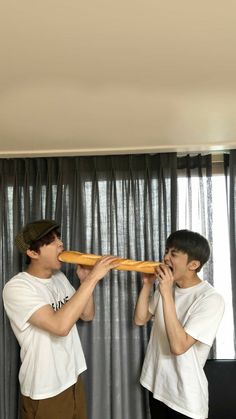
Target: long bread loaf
(89,259)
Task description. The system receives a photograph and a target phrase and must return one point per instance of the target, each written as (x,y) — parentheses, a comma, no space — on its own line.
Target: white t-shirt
(180,381)
(49,363)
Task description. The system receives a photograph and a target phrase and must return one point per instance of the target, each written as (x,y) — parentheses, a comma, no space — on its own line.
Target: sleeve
(21,300)
(154,301)
(205,318)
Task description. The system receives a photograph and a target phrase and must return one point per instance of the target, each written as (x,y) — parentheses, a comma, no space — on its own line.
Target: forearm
(89,310)
(142,314)
(61,321)
(179,340)
(80,305)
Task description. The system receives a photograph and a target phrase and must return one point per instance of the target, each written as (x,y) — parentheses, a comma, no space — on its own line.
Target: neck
(188,282)
(39,271)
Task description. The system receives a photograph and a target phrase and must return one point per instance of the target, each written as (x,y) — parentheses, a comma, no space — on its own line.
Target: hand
(83,271)
(103,266)
(166,279)
(149,279)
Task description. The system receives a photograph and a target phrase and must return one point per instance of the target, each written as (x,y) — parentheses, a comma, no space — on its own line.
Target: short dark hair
(45,240)
(193,244)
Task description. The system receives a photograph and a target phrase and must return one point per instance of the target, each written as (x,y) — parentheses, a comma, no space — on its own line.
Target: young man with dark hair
(186,313)
(43,309)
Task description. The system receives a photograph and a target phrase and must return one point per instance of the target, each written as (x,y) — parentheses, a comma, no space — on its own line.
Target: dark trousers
(159,410)
(70,404)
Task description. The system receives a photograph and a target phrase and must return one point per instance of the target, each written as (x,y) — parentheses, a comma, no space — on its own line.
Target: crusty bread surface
(89,259)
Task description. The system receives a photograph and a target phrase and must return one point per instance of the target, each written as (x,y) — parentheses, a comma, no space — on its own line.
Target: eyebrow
(173,249)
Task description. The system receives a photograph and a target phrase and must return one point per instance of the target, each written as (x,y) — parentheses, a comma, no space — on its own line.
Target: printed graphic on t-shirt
(60,303)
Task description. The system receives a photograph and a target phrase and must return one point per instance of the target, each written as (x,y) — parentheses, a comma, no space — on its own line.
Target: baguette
(89,259)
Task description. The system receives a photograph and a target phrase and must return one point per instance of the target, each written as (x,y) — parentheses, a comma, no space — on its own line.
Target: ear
(32,254)
(194,265)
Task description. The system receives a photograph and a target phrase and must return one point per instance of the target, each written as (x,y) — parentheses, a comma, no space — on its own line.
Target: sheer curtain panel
(230,166)
(122,205)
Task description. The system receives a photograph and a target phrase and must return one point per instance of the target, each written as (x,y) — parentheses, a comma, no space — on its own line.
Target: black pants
(159,410)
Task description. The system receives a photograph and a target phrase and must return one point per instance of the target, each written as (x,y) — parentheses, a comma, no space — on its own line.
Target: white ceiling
(103,77)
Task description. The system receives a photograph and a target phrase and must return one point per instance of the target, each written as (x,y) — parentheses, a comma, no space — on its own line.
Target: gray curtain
(230,171)
(123,205)
(198,172)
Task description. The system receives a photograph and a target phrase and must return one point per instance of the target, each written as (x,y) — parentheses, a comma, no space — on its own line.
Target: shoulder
(19,287)
(19,282)
(20,279)
(209,299)
(210,292)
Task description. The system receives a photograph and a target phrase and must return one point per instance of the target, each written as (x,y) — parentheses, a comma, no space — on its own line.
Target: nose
(166,257)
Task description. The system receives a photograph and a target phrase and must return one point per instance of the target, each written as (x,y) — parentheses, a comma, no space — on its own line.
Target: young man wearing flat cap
(43,309)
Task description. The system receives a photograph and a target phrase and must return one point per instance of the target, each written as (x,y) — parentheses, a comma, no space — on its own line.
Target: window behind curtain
(194,201)
(193,205)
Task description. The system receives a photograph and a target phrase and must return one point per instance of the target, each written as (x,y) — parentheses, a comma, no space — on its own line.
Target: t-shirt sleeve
(205,317)
(20,301)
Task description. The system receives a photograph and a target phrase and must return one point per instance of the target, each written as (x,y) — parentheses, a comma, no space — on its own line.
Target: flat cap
(33,232)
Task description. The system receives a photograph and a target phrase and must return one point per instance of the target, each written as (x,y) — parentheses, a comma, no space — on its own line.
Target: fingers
(83,271)
(84,267)
(149,278)
(164,275)
(109,260)
(106,263)
(103,266)
(163,269)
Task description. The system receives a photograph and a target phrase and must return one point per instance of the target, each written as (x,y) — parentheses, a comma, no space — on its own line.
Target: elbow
(138,322)
(180,347)
(177,350)
(87,318)
(63,332)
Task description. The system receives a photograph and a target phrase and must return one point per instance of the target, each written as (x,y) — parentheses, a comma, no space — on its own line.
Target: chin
(57,266)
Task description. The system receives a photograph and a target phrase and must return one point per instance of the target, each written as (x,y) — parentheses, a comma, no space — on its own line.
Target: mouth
(170,268)
(59,254)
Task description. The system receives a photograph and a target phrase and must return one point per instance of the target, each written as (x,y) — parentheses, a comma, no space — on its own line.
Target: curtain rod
(217,157)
